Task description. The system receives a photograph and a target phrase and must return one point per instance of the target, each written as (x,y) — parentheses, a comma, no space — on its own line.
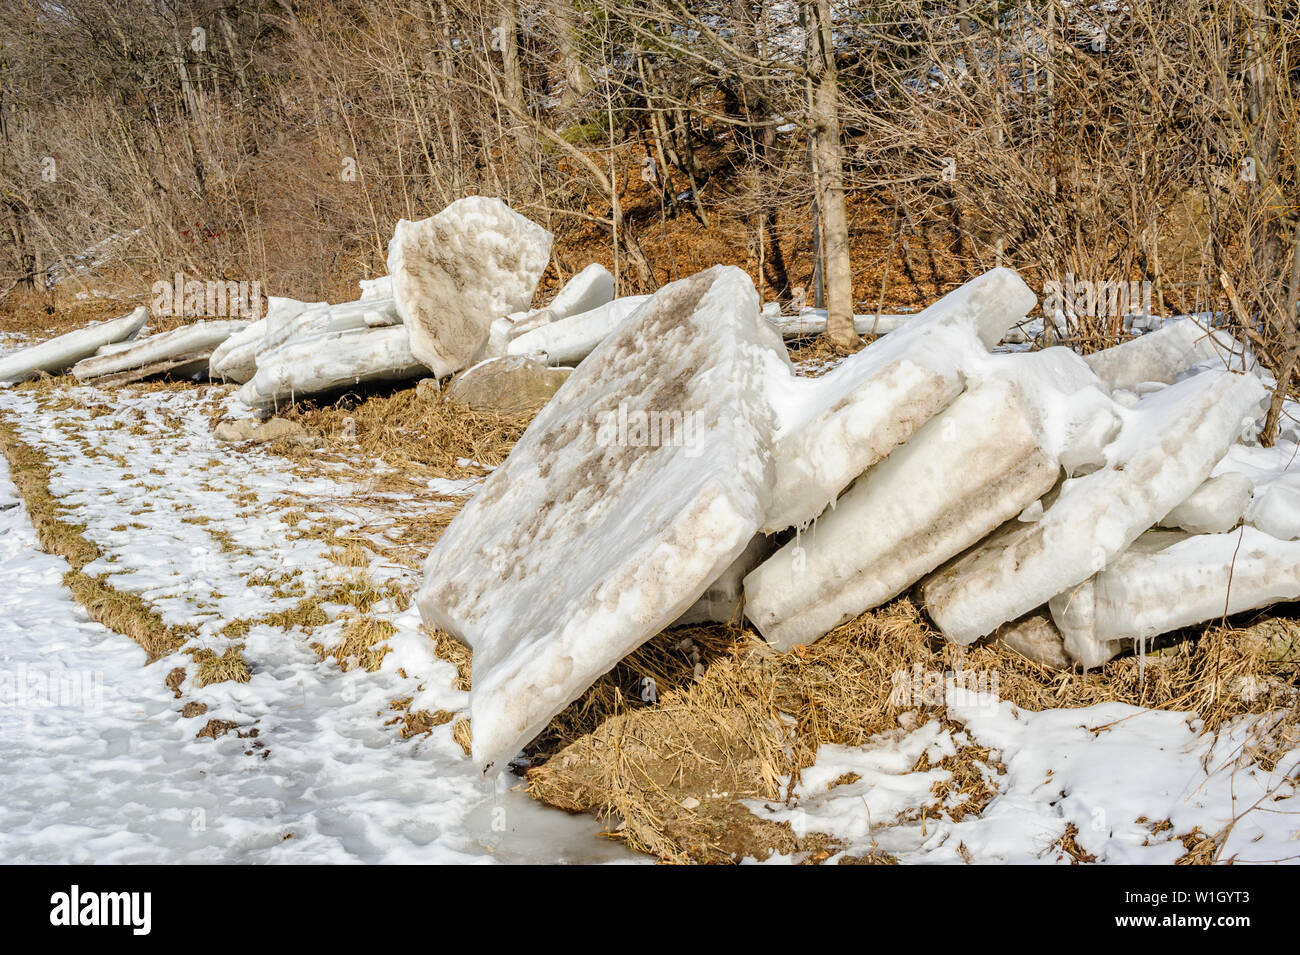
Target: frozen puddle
(103,768)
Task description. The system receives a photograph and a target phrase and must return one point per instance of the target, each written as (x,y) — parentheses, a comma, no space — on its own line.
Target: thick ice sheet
(832,429)
(1152,590)
(59,354)
(330,361)
(455,273)
(570,340)
(1167,447)
(812,322)
(977,464)
(588,541)
(590,288)
(194,341)
(1161,356)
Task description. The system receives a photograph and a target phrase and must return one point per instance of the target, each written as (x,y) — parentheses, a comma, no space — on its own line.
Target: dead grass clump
(412,434)
(417,722)
(364,644)
(454,652)
(229,667)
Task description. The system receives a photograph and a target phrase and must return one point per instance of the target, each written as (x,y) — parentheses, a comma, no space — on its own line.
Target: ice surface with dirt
(457,272)
(596,534)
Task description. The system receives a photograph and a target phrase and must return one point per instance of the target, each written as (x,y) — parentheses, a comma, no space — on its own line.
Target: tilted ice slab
(1167,447)
(328,362)
(570,340)
(590,288)
(455,273)
(833,428)
(1163,355)
(1175,581)
(590,539)
(975,465)
(235,359)
(59,354)
(980,462)
(322,318)
(194,342)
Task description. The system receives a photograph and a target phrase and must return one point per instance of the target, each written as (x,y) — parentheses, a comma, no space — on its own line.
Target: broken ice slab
(1274,474)
(977,464)
(1163,355)
(1215,507)
(321,318)
(1168,445)
(835,427)
(590,288)
(455,273)
(59,354)
(191,344)
(632,491)
(1173,581)
(572,339)
(327,362)
(235,359)
(812,321)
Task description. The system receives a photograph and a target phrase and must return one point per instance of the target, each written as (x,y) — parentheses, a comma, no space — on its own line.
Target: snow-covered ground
(1129,785)
(96,762)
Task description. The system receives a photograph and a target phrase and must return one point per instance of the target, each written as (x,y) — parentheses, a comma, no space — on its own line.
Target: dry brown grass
(419,437)
(757,716)
(227,667)
(363,644)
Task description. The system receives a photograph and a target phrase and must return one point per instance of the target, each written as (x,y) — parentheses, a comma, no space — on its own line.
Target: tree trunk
(513,73)
(828,174)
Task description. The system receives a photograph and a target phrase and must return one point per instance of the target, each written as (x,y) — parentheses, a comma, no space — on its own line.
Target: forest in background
(865,153)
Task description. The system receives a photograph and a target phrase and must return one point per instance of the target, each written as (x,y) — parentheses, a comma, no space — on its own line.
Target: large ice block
(635,488)
(1173,581)
(455,273)
(833,428)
